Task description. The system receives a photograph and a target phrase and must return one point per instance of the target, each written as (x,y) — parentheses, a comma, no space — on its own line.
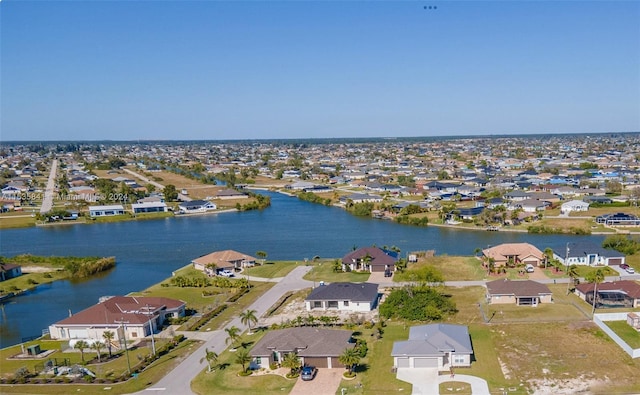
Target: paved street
(47,200)
(178,381)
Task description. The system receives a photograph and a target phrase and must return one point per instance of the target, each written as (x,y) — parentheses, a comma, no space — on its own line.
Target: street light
(153,342)
(124,335)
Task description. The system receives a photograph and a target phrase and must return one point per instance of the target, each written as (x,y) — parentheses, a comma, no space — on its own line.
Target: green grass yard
(323,271)
(272,269)
(626,332)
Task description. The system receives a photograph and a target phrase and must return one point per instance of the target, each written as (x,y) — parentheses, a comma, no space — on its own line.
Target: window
(317,304)
(259,360)
(458,359)
(346,303)
(134,334)
(332,304)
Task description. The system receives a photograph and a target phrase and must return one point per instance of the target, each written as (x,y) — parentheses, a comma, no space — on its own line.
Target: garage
(318,362)
(615,261)
(335,363)
(533,262)
(403,362)
(377,268)
(425,362)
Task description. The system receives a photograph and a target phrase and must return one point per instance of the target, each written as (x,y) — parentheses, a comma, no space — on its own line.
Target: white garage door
(425,362)
(403,362)
(78,334)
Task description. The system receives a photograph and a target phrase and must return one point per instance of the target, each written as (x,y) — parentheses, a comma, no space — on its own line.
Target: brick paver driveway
(326,382)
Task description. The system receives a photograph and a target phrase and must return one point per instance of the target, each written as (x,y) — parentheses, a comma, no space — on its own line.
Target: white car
(226,273)
(630,270)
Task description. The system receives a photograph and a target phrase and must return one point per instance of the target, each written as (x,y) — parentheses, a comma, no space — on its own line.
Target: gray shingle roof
(308,342)
(519,288)
(356,292)
(434,340)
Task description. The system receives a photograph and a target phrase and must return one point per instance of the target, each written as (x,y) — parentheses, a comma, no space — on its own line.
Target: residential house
(517,253)
(149,207)
(314,346)
(343,297)
(227,194)
(126,316)
(227,259)
(440,346)
(106,211)
(531,205)
(371,259)
(618,219)
(588,254)
(624,293)
(518,292)
(196,206)
(574,205)
(360,198)
(9,270)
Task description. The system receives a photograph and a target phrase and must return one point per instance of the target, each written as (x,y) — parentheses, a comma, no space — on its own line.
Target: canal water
(148,251)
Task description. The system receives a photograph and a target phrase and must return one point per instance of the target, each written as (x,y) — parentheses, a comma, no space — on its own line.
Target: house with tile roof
(440,346)
(317,347)
(128,317)
(518,253)
(518,292)
(227,259)
(343,297)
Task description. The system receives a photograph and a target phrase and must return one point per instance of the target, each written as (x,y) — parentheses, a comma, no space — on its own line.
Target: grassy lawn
(271,269)
(626,332)
(455,387)
(22,221)
(453,268)
(323,271)
(224,378)
(257,290)
(146,378)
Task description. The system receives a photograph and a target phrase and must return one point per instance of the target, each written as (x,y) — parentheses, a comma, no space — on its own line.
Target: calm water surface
(148,251)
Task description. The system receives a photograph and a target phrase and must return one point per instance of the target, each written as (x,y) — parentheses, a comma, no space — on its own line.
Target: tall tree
(233,334)
(210,356)
(170,192)
(81,345)
(248,317)
(595,277)
(243,358)
(97,346)
(349,358)
(291,361)
(108,337)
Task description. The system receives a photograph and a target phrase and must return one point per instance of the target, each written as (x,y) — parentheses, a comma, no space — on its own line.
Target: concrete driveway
(424,380)
(326,382)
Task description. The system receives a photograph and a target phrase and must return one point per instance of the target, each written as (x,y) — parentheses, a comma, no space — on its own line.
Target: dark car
(387,273)
(308,373)
(624,266)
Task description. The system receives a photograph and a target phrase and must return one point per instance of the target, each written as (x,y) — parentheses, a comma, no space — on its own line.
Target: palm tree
(81,345)
(210,357)
(291,361)
(548,254)
(491,265)
(248,318)
(243,358)
(596,278)
(233,334)
(108,337)
(262,255)
(98,345)
(349,358)
(572,272)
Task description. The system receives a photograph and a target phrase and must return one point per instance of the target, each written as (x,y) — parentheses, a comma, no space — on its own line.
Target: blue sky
(296,69)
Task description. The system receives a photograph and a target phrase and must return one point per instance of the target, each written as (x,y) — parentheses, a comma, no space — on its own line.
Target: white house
(149,207)
(126,316)
(343,297)
(106,211)
(440,346)
(590,254)
(196,206)
(574,205)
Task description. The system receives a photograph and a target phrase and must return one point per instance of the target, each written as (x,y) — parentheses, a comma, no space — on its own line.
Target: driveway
(326,382)
(424,380)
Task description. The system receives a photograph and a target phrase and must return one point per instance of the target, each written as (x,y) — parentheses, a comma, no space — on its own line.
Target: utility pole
(122,323)
(566,264)
(153,343)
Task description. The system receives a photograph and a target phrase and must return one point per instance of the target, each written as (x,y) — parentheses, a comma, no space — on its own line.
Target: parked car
(226,273)
(630,270)
(308,373)
(387,273)
(624,266)
(529,268)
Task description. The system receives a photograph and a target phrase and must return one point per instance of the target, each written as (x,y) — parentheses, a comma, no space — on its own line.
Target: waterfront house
(515,253)
(624,293)
(574,205)
(9,270)
(343,297)
(370,259)
(149,207)
(196,206)
(130,318)
(317,347)
(441,346)
(227,259)
(518,292)
(106,211)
